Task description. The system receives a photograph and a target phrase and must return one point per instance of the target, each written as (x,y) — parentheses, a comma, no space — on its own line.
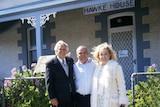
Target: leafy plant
(25,93)
(147,93)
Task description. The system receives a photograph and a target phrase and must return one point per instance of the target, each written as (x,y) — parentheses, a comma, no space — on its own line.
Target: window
(32,52)
(32,40)
(121,21)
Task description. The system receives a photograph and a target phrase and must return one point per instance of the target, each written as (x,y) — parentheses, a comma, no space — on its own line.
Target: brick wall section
(9,51)
(153,36)
(76,29)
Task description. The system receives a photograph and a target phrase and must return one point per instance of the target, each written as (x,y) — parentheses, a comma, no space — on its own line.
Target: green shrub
(147,94)
(25,93)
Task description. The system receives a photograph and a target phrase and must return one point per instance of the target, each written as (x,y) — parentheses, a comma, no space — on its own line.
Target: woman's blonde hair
(104,45)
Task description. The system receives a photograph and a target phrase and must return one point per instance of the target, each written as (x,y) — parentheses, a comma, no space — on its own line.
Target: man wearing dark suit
(59,77)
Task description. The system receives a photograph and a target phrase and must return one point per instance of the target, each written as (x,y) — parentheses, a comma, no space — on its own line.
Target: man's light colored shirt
(84,74)
(60,60)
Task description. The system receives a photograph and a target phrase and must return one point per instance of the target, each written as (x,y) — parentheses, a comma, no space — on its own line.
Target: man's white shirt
(84,74)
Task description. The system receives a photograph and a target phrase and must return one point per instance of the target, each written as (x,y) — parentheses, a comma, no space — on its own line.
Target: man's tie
(65,67)
(63,62)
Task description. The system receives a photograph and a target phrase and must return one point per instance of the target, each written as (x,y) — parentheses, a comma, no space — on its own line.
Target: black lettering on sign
(121,4)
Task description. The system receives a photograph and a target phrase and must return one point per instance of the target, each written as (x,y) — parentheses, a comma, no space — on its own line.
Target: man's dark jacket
(59,85)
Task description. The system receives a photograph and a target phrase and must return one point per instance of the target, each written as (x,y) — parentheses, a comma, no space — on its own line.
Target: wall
(153,36)
(9,51)
(76,29)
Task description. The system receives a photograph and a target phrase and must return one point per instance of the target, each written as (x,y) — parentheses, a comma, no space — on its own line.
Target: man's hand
(54,102)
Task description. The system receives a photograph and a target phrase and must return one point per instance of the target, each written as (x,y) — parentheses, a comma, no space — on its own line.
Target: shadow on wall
(4,26)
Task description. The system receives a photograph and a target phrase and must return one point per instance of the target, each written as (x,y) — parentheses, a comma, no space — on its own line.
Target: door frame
(131,27)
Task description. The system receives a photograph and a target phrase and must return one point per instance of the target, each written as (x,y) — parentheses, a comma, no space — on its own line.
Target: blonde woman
(108,88)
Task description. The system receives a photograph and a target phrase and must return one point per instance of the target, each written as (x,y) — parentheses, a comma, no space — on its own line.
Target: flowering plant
(22,92)
(152,68)
(147,91)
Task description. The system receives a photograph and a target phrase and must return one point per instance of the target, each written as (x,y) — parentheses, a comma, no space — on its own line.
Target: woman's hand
(122,105)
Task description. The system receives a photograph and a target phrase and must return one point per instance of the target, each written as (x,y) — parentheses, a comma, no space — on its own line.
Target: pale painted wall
(153,36)
(9,51)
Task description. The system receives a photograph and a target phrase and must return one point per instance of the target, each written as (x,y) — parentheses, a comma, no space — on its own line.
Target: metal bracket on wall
(43,18)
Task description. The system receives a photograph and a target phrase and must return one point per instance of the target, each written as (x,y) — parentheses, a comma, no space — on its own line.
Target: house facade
(130,26)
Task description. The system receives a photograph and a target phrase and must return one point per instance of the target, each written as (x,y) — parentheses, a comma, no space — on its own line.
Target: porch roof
(39,8)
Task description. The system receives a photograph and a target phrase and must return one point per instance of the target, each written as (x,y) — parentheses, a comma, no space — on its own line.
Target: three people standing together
(97,82)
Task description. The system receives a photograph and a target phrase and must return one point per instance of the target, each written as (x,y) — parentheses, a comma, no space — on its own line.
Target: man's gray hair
(81,47)
(60,43)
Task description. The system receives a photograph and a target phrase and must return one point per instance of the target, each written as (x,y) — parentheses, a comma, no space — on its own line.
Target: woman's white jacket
(110,84)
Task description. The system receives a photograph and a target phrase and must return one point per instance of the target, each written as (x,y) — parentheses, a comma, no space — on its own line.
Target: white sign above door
(109,6)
